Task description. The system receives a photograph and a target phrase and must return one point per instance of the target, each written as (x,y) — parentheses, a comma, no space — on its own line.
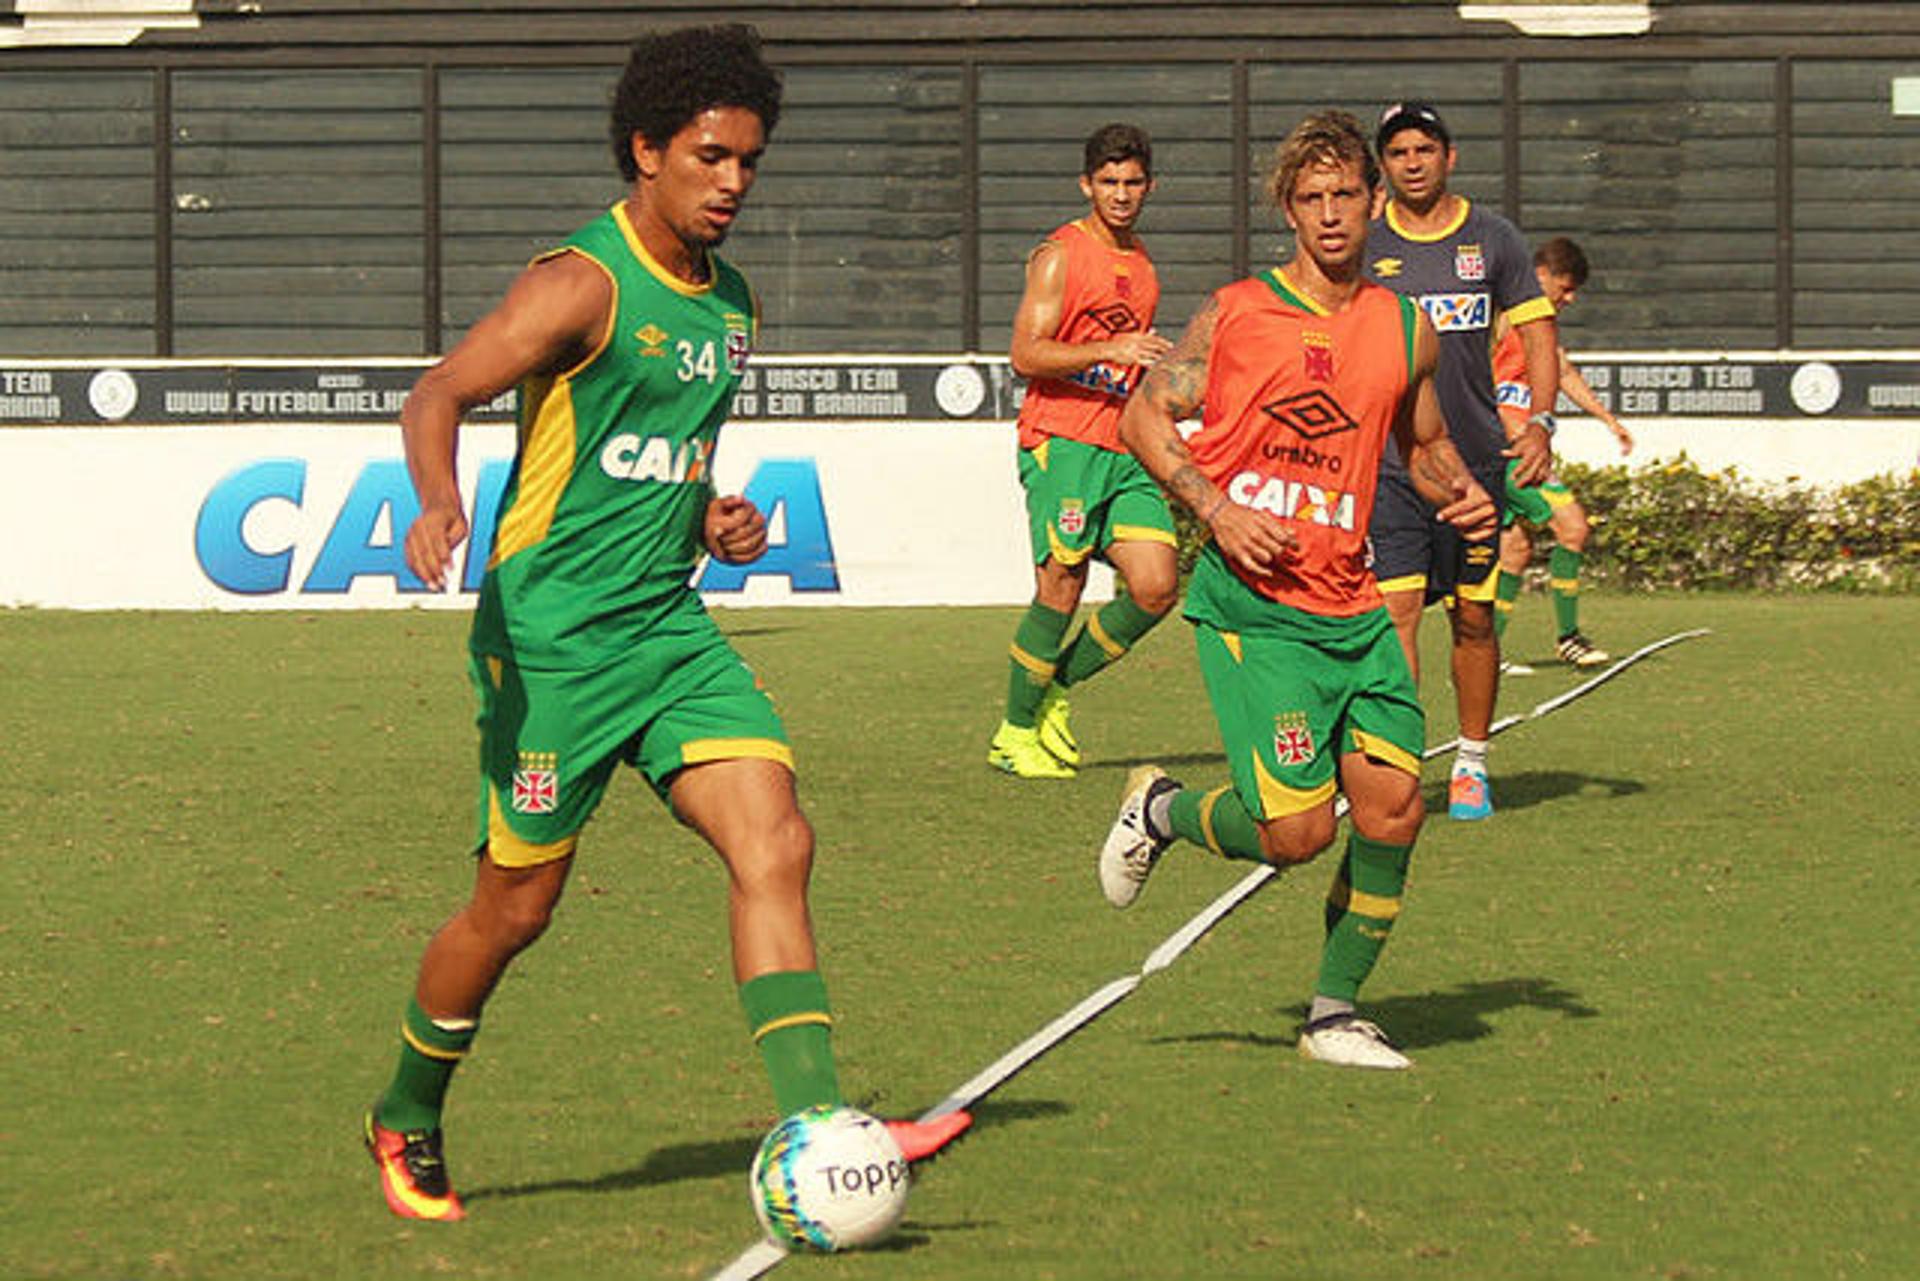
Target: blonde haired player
(1301,375)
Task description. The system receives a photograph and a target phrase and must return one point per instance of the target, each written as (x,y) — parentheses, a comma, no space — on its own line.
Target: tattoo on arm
(1178,384)
(1188,485)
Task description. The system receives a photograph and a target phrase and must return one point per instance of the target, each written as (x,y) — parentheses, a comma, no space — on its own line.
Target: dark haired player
(589,649)
(1301,375)
(1561,267)
(1466,267)
(1081,336)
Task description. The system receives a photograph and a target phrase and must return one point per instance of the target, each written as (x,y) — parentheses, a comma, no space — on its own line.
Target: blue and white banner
(312,517)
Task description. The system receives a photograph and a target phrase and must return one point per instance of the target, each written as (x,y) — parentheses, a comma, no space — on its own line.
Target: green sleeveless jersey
(600,525)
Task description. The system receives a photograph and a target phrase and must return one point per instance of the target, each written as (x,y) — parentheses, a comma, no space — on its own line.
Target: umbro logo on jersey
(653,339)
(1387,268)
(1312,414)
(1115,318)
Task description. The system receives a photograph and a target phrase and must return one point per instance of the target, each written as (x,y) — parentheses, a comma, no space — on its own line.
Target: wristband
(1548,423)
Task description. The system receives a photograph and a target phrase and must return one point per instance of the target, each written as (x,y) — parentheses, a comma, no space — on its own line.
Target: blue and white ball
(829,1178)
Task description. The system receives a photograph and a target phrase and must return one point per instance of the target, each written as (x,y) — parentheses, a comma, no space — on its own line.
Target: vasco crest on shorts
(1292,739)
(1073,516)
(536,784)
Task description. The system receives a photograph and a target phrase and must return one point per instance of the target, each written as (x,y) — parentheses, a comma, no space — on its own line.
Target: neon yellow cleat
(1018,752)
(1051,722)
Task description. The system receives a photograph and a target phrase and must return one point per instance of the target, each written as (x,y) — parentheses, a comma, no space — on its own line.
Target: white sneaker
(1127,859)
(1346,1040)
(1510,668)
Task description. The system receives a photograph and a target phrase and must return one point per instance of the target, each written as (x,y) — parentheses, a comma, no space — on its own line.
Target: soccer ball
(829,1178)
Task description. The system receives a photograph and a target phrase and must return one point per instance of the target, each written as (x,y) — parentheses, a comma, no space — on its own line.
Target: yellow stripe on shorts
(509,849)
(1277,800)
(702,751)
(1144,534)
(1404,583)
(1387,753)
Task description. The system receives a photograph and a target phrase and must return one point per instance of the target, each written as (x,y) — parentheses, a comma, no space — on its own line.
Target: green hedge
(1678,527)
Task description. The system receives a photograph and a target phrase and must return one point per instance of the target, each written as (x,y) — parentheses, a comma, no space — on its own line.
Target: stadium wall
(888,481)
(346,177)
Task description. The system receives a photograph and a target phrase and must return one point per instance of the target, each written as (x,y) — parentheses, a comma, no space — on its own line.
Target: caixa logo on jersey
(258,524)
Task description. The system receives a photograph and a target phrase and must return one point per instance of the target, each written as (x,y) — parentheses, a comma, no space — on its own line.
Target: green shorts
(1534,504)
(1294,697)
(549,740)
(1082,498)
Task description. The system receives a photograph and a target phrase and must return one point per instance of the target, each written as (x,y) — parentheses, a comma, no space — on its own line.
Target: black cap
(1411,115)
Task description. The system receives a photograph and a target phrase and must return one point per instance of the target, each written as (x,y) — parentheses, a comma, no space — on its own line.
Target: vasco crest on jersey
(739,346)
(1470,262)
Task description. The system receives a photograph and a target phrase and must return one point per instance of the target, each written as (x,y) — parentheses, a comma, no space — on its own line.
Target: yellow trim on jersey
(1038,666)
(1387,753)
(1530,310)
(1404,583)
(1232,641)
(1298,294)
(1039,452)
(1347,899)
(1277,800)
(508,849)
(703,751)
(547,439)
(1207,803)
(546,465)
(1144,534)
(807,1018)
(652,264)
(1393,221)
(1061,552)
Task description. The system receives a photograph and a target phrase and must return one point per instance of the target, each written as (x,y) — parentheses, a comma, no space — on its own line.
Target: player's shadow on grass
(722,1158)
(670,1164)
(1528,788)
(1172,762)
(1461,1013)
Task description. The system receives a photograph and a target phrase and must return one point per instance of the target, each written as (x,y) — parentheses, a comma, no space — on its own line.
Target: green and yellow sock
(1035,653)
(1110,632)
(430,1049)
(1563,579)
(787,1014)
(1506,593)
(1361,908)
(1218,820)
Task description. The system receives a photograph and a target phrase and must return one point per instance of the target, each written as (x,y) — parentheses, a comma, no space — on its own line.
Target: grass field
(1662,1005)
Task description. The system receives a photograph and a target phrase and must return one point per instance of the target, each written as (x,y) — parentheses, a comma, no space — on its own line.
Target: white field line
(763,1257)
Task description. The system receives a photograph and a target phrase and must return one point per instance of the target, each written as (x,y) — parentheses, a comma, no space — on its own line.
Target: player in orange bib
(1082,335)
(1562,268)
(1301,375)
